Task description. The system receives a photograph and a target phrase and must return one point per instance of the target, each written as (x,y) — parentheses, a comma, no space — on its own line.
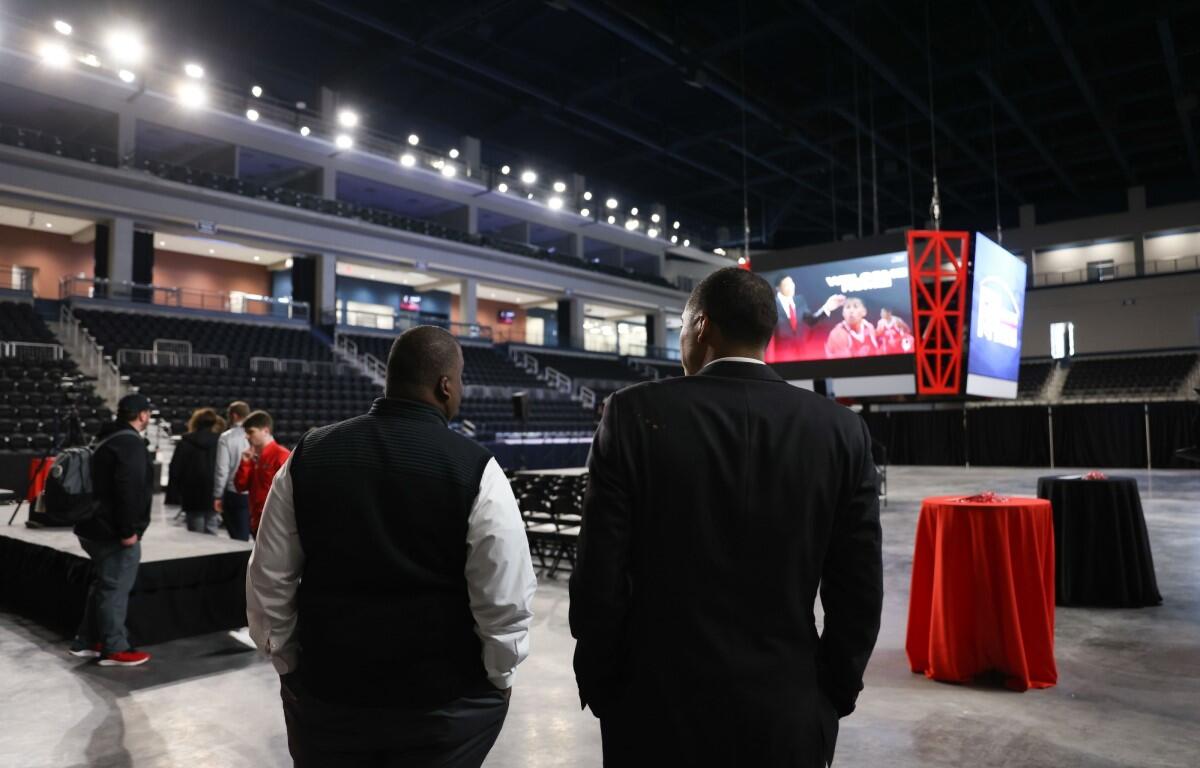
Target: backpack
(67,496)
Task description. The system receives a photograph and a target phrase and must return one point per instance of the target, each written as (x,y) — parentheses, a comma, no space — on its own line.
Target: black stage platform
(188,583)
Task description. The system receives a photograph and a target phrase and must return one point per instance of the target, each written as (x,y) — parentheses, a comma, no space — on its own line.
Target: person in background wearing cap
(123,488)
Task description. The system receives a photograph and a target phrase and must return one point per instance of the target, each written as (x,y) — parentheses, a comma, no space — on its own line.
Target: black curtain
(920,437)
(304,282)
(565,326)
(100,251)
(1173,426)
(1100,435)
(1008,437)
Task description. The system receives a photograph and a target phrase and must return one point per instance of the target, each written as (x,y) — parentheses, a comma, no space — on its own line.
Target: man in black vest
(716,504)
(391,580)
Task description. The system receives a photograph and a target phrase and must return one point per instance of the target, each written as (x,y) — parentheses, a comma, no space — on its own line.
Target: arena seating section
(238,341)
(588,368)
(1032,378)
(1146,375)
(32,393)
(484,366)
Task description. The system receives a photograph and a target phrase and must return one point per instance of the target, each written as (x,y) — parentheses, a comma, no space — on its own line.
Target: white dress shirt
(754,360)
(499,573)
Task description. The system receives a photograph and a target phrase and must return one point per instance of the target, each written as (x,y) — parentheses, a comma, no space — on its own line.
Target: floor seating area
(1145,375)
(552,508)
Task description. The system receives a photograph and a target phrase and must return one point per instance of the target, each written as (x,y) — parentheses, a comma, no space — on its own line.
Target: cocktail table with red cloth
(982,598)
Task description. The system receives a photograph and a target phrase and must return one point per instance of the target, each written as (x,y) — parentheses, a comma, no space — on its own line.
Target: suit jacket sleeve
(601,587)
(852,583)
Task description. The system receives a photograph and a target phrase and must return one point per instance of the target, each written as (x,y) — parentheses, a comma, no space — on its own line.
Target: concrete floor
(1128,692)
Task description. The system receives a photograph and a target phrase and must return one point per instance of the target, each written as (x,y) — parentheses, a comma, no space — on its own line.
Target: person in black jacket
(122,487)
(716,504)
(192,468)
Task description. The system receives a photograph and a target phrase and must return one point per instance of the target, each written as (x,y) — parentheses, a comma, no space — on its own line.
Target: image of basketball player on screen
(795,319)
(893,334)
(854,336)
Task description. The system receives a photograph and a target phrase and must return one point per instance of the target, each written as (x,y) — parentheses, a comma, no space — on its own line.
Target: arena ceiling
(816,104)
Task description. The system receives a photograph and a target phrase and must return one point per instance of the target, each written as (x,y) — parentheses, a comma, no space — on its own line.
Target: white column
(120,256)
(656,324)
(468,305)
(470,154)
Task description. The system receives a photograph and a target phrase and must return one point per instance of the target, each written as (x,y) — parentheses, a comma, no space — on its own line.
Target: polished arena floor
(1128,692)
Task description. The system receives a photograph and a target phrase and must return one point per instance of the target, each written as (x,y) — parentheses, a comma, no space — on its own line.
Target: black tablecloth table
(1102,550)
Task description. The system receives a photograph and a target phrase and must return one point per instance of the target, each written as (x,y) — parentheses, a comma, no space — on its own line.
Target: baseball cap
(134,403)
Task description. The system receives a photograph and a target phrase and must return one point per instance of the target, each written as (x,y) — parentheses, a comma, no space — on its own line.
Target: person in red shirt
(259,464)
(854,336)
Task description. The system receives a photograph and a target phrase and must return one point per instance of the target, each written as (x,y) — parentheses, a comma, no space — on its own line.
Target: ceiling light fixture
(191,95)
(304,131)
(560,186)
(126,76)
(54,55)
(632,224)
(555,203)
(612,219)
(505,170)
(587,195)
(652,232)
(449,171)
(62,27)
(686,243)
(633,211)
(193,70)
(347,118)
(90,59)
(611,203)
(502,187)
(408,160)
(585,212)
(252,115)
(414,139)
(528,177)
(453,154)
(655,217)
(125,46)
(256,91)
(343,141)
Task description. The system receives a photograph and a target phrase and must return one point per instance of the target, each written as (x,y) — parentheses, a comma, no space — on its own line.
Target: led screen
(997,316)
(841,310)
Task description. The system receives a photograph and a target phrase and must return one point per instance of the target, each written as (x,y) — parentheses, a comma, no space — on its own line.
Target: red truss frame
(937,263)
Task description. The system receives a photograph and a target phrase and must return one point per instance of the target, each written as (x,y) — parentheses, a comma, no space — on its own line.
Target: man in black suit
(794,319)
(716,504)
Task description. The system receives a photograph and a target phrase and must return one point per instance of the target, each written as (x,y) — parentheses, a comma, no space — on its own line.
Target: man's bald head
(426,364)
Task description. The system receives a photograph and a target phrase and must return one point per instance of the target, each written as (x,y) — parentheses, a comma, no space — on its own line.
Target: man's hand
(833,302)
(130,541)
(248,454)
(218,506)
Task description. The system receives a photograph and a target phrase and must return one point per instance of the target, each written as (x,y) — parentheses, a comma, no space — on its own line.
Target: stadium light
(675,225)
(555,203)
(49,225)
(193,70)
(191,95)
(633,211)
(347,118)
(449,170)
(125,46)
(252,115)
(652,232)
(612,219)
(505,170)
(343,141)
(408,160)
(674,239)
(528,177)
(632,224)
(654,217)
(90,59)
(587,195)
(453,154)
(62,27)
(502,187)
(560,186)
(585,212)
(304,131)
(126,76)
(256,91)
(686,243)
(414,139)
(611,203)
(54,54)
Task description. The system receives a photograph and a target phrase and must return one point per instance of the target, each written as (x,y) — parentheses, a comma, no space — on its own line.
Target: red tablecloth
(982,596)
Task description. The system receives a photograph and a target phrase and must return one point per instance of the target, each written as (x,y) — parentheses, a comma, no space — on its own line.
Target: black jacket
(716,504)
(191,473)
(122,483)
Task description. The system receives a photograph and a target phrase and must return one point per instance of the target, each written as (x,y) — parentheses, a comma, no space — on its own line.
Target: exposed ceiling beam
(1081,82)
(898,84)
(1181,100)
(1018,120)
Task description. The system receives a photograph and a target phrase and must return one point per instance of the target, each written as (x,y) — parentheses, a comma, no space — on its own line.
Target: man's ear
(702,328)
(443,388)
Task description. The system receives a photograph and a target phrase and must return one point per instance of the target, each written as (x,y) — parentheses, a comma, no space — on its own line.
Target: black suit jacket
(716,505)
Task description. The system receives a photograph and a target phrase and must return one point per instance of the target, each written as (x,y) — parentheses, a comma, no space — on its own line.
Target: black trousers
(458,734)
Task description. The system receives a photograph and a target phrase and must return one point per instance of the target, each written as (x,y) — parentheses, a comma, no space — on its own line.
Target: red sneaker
(85,652)
(130,658)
